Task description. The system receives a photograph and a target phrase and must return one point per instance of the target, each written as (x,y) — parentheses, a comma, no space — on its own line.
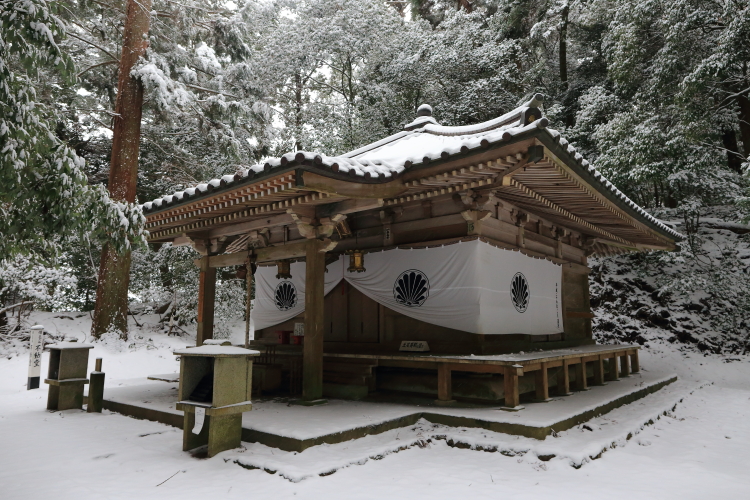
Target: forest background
(654,93)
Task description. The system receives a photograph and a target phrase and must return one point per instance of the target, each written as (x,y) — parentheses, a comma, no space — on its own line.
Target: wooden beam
(206,300)
(295,250)
(456,367)
(350,206)
(346,188)
(312,359)
(253,225)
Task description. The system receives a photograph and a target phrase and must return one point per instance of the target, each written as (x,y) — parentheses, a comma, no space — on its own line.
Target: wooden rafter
(278,206)
(531,193)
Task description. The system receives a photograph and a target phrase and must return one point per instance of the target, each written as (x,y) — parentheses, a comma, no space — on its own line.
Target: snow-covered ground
(697,450)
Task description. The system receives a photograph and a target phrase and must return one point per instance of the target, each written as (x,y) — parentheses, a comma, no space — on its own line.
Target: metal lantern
(241,273)
(283,270)
(356,261)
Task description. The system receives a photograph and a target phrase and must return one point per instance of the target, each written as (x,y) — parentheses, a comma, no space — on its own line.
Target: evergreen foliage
(653,92)
(44,195)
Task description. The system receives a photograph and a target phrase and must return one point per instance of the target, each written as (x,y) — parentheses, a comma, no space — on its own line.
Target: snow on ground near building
(699,448)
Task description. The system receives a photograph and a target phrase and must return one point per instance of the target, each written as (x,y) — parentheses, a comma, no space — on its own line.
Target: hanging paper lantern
(283,270)
(356,261)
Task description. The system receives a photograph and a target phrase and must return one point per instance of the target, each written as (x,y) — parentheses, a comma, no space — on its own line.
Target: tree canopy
(655,93)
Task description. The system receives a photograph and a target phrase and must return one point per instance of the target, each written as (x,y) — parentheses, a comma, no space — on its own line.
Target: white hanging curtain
(469,286)
(279,300)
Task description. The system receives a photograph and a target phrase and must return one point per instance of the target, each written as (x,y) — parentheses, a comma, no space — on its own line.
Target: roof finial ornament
(424,110)
(424,117)
(536,101)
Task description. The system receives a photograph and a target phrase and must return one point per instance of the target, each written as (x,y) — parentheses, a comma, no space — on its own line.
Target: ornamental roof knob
(424,110)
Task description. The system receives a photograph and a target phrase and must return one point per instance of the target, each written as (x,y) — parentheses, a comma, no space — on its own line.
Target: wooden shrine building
(469,241)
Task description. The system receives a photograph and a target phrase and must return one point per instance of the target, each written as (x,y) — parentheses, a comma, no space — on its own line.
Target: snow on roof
(422,141)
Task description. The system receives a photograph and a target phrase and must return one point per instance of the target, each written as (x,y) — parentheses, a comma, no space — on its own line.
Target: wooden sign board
(299,330)
(414,346)
(35,357)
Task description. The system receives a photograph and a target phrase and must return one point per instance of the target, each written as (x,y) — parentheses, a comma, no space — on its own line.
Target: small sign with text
(299,330)
(35,357)
(414,346)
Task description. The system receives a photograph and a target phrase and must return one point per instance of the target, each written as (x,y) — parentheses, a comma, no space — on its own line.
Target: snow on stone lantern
(215,389)
(66,377)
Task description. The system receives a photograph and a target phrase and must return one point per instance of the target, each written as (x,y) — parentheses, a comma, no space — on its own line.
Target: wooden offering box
(67,375)
(216,380)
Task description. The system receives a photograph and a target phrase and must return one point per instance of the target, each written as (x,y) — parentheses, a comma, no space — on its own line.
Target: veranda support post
(614,372)
(599,370)
(563,379)
(581,382)
(96,389)
(206,299)
(512,396)
(541,383)
(625,362)
(312,360)
(445,389)
(634,363)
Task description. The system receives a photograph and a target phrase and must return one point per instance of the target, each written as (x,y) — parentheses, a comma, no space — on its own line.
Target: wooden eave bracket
(311,226)
(258,239)
(476,215)
(200,245)
(328,225)
(520,218)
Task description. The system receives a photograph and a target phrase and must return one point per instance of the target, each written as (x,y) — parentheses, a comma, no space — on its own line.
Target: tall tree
(114,269)
(45,201)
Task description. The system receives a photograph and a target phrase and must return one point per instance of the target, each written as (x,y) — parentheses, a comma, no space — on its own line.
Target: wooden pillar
(541,383)
(563,379)
(312,360)
(206,299)
(625,365)
(445,390)
(581,382)
(635,365)
(599,370)
(614,372)
(512,399)
(248,300)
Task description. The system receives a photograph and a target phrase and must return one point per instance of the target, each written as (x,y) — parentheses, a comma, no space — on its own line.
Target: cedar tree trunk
(111,311)
(744,105)
(563,54)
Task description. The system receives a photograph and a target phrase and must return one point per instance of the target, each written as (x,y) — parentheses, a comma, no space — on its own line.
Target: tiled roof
(422,141)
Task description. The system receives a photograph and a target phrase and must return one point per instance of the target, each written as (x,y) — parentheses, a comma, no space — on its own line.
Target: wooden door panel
(335,317)
(364,324)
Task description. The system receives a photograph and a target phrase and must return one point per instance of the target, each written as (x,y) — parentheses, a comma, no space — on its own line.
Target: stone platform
(278,424)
